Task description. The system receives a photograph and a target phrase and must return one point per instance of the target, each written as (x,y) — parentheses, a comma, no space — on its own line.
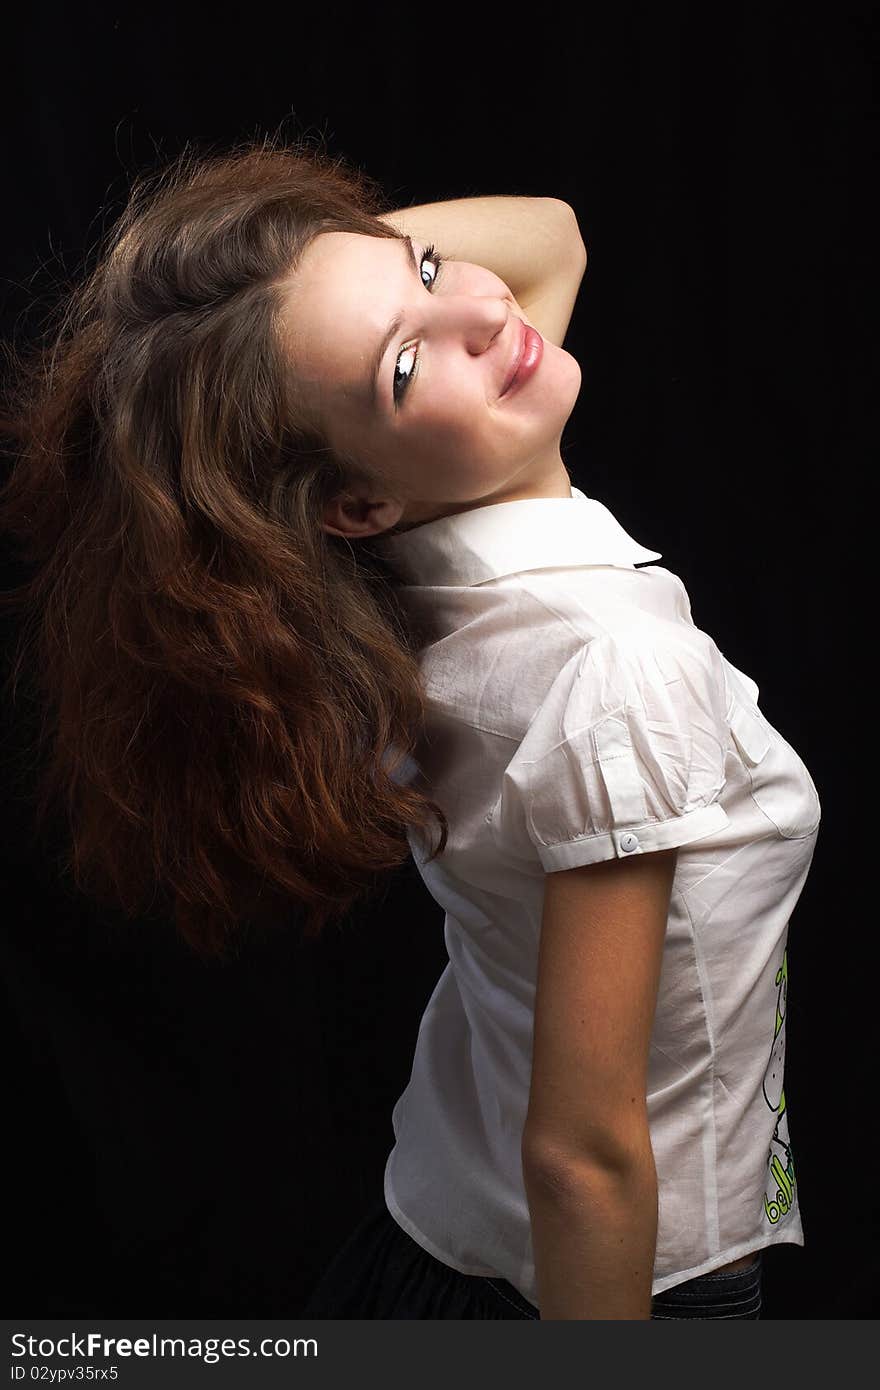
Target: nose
(480,317)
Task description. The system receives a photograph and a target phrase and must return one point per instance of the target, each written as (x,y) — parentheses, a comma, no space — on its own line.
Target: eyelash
(429,254)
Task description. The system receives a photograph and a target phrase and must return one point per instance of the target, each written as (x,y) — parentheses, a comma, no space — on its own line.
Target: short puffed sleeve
(626,753)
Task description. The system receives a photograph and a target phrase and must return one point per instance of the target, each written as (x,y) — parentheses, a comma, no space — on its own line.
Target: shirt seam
(710,1177)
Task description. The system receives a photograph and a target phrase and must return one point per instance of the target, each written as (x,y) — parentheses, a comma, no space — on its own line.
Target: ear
(352,515)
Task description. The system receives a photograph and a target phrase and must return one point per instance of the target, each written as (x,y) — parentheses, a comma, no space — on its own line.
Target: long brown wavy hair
(227,691)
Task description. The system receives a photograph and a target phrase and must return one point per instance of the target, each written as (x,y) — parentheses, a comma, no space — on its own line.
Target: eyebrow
(393,327)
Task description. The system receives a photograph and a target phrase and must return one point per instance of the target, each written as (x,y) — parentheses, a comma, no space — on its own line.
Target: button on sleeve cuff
(642,839)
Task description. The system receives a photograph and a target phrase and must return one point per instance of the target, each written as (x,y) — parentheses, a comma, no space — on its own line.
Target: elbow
(569,217)
(610,1157)
(573,1186)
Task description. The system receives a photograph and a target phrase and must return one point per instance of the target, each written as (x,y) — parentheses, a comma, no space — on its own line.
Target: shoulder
(664,682)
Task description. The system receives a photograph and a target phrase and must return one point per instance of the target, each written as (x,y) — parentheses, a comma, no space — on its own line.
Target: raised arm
(533,244)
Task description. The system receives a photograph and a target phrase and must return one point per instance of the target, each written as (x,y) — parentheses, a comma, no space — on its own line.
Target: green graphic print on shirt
(779,1193)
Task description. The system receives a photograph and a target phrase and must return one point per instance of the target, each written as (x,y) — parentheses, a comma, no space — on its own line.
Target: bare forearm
(524,241)
(594,1236)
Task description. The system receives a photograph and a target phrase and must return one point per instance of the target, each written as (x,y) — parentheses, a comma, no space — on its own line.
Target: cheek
(458,399)
(452,426)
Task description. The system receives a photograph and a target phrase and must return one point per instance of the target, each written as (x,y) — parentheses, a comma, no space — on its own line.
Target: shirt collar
(507,537)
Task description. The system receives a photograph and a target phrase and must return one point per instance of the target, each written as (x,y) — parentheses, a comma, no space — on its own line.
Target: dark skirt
(381,1272)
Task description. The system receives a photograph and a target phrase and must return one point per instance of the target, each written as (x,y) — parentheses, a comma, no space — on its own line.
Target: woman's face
(432,427)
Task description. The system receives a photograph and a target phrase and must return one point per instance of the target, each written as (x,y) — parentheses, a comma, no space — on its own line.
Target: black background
(190,1141)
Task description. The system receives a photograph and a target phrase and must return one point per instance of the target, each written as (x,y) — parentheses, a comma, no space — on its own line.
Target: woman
(299,512)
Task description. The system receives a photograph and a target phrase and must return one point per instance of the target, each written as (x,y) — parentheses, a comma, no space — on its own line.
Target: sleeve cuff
(637,839)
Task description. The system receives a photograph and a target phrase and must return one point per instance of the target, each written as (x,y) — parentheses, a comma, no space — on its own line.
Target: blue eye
(399,388)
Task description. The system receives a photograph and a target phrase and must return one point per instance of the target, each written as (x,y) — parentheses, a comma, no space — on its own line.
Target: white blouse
(578,714)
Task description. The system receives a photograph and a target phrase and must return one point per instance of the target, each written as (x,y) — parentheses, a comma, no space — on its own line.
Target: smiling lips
(529,352)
